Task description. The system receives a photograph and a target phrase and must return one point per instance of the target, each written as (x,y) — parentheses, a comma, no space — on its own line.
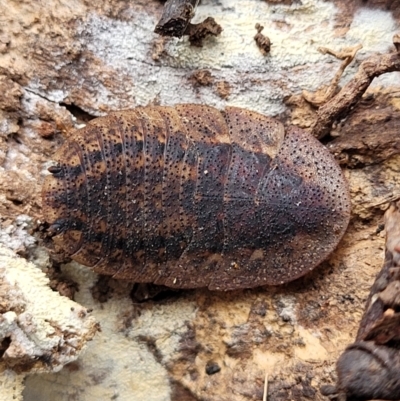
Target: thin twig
(322,96)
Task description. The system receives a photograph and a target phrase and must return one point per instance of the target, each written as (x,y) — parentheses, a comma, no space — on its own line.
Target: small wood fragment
(158,48)
(198,32)
(223,89)
(201,78)
(339,105)
(175,21)
(263,42)
(176,17)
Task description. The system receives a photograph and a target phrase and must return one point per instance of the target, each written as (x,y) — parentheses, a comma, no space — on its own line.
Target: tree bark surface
(63,63)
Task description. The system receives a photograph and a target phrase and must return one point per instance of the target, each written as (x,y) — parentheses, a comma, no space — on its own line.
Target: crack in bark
(41,96)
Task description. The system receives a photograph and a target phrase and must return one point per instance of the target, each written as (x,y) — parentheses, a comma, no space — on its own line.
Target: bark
(64,63)
(370,367)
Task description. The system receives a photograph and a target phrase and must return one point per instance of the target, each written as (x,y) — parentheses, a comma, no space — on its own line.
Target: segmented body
(189,196)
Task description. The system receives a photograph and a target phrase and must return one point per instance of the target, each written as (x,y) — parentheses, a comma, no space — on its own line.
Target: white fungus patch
(36,323)
(16,236)
(118,362)
(294,61)
(374,29)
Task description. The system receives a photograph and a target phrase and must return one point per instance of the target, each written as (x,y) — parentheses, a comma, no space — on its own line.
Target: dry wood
(370,368)
(326,93)
(176,17)
(338,107)
(175,21)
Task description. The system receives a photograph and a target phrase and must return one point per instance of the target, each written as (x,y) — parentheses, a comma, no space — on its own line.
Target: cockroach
(190,196)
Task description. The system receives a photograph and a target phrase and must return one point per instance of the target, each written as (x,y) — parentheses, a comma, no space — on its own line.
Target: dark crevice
(147,292)
(80,114)
(4,345)
(15,137)
(17,202)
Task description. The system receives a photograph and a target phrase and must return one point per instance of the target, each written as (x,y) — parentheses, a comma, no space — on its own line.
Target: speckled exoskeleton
(190,196)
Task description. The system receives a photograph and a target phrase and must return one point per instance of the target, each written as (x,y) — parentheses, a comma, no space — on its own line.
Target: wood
(348,97)
(64,63)
(369,368)
(176,17)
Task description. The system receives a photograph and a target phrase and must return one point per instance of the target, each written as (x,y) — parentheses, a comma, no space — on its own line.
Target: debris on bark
(198,32)
(60,283)
(223,89)
(158,48)
(325,93)
(176,17)
(201,78)
(339,105)
(262,41)
(370,368)
(175,21)
(368,136)
(212,368)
